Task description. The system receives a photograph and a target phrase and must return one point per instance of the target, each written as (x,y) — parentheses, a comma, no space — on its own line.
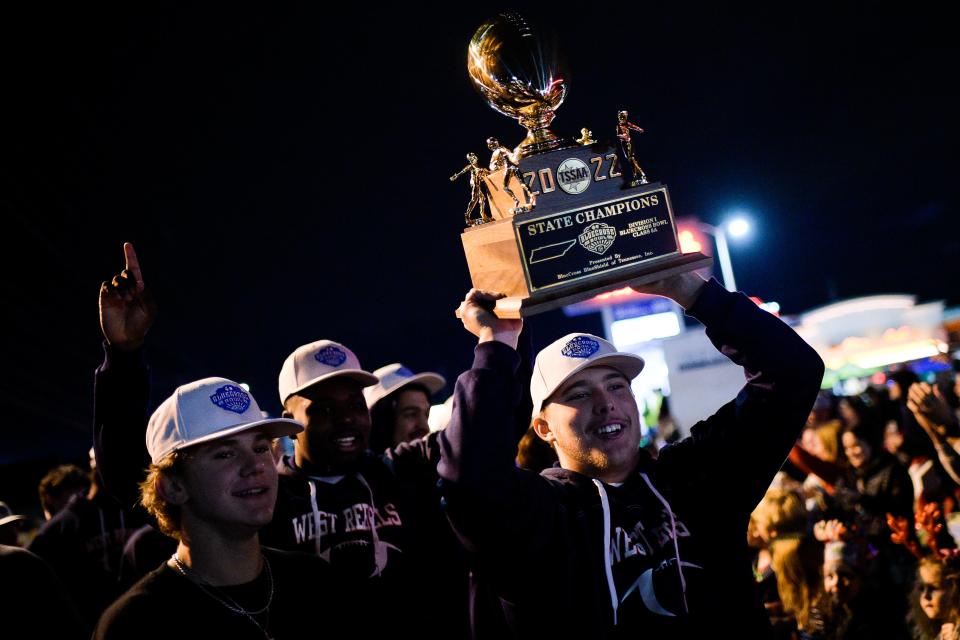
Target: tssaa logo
(597,238)
(573,176)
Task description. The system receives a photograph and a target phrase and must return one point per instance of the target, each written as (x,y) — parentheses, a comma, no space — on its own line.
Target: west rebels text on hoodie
(380,528)
(662,555)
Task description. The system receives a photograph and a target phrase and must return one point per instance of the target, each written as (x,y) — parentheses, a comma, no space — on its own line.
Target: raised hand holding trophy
(567,225)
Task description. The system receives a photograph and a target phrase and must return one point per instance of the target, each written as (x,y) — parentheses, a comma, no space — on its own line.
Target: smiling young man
(601,444)
(400,405)
(374,520)
(336,500)
(212,485)
(612,543)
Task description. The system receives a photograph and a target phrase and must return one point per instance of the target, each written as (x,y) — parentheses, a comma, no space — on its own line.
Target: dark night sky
(283,172)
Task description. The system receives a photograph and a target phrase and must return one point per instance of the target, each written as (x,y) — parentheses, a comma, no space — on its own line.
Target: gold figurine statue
(626,145)
(586,137)
(477,174)
(505,159)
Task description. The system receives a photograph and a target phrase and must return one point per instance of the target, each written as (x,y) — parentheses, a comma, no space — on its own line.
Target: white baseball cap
(206,410)
(394,377)
(318,361)
(7,515)
(571,354)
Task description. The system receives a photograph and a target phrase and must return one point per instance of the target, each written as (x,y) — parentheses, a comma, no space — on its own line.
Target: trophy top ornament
(518,70)
(586,137)
(560,220)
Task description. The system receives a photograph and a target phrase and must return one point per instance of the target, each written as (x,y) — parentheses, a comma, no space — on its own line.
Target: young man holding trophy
(612,542)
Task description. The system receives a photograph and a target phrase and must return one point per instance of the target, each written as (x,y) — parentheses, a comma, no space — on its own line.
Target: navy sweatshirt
(675,558)
(380,529)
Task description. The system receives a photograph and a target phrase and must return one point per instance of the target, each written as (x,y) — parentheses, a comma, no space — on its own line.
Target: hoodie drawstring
(673,531)
(607,561)
(608,564)
(316,517)
(379,553)
(380,550)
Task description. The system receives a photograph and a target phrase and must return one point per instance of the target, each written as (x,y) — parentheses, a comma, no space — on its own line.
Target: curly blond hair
(166,514)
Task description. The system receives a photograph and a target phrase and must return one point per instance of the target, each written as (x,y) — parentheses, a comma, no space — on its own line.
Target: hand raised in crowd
(830,530)
(127,308)
(933,415)
(928,405)
(683,288)
(476,312)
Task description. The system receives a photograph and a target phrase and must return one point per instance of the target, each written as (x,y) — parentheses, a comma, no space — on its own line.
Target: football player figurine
(586,137)
(477,174)
(503,158)
(623,133)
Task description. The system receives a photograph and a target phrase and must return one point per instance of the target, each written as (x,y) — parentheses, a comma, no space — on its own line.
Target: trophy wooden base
(495,264)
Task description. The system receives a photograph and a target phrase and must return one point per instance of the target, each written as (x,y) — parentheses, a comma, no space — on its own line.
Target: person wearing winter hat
(612,542)
(852,604)
(400,405)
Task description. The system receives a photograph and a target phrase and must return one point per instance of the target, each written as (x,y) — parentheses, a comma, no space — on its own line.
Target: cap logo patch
(580,347)
(231,398)
(331,356)
(403,372)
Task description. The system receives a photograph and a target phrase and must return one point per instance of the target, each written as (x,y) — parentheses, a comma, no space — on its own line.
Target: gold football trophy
(566,223)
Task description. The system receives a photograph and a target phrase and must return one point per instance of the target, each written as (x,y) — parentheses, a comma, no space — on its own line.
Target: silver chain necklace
(226,600)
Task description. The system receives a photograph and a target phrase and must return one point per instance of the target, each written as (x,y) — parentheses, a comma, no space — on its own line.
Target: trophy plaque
(568,219)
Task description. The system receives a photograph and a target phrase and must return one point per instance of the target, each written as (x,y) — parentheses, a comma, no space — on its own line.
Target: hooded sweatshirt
(664,554)
(380,529)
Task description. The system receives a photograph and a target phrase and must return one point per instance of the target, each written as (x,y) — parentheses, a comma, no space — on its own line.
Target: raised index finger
(133,265)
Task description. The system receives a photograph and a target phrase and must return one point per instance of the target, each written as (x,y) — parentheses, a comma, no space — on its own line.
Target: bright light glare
(688,243)
(738,227)
(900,353)
(641,329)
